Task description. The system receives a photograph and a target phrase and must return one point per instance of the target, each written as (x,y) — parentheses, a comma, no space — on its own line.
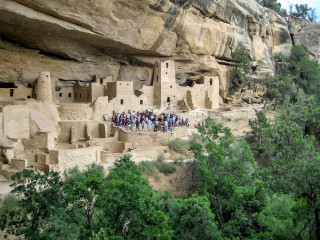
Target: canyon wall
(79,39)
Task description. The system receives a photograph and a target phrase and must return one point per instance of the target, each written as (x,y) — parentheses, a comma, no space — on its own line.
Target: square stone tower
(164,82)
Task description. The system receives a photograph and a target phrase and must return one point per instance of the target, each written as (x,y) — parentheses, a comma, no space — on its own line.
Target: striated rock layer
(76,40)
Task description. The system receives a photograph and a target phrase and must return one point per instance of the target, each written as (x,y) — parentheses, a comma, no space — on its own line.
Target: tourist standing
(149,123)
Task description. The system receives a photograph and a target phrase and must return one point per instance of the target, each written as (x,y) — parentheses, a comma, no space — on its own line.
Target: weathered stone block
(40,167)
(42,158)
(19,164)
(42,140)
(16,121)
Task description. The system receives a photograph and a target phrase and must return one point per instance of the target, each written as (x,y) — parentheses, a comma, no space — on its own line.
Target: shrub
(160,158)
(74,174)
(179,145)
(178,160)
(166,168)
(151,168)
(10,206)
(226,119)
(148,168)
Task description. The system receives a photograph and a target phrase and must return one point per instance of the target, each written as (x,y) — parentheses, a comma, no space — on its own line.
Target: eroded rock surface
(76,40)
(310,36)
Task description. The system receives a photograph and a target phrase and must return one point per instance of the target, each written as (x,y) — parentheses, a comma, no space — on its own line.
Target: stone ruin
(51,128)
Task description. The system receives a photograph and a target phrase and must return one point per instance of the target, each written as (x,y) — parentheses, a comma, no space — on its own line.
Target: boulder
(255,100)
(247,98)
(39,123)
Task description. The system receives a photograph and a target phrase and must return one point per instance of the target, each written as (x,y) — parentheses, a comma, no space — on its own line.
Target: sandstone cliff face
(310,36)
(75,40)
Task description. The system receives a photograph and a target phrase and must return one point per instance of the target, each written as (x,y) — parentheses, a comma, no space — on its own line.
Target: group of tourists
(148,121)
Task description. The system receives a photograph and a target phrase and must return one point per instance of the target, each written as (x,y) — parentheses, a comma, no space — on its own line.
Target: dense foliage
(303,11)
(87,204)
(294,73)
(240,72)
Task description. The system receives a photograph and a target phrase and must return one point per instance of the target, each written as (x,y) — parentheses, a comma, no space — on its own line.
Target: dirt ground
(179,183)
(237,118)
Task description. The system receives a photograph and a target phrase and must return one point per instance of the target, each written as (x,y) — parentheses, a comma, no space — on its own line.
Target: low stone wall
(42,140)
(81,157)
(145,139)
(149,154)
(109,144)
(137,155)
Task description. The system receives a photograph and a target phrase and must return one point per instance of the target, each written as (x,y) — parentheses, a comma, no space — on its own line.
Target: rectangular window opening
(11,92)
(141,102)
(60,94)
(167,64)
(69,95)
(210,81)
(121,101)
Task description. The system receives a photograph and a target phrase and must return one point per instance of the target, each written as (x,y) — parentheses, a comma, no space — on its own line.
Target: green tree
(189,218)
(88,205)
(260,138)
(239,74)
(274,5)
(278,220)
(294,73)
(305,71)
(82,191)
(296,170)
(130,209)
(11,211)
(279,88)
(41,196)
(225,173)
(305,112)
(303,11)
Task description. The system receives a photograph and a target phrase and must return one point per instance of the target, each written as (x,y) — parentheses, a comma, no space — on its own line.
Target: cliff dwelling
(48,127)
